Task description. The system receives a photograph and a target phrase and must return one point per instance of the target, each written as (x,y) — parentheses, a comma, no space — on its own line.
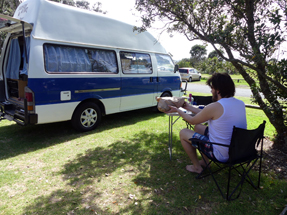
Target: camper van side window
(136,63)
(70,59)
(164,63)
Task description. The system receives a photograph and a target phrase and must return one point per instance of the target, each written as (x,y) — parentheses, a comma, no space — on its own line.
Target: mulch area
(275,160)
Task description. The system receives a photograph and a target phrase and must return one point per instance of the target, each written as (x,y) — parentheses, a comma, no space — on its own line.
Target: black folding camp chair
(245,150)
(200,100)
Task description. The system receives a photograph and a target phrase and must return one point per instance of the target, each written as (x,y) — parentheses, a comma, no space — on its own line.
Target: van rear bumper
(16,113)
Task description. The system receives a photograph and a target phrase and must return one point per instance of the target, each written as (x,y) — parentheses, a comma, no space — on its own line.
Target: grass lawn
(122,167)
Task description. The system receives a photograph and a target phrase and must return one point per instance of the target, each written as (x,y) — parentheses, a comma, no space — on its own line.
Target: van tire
(86,117)
(165,94)
(190,79)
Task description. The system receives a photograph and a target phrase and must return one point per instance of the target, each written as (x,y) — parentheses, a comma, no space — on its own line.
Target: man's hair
(223,83)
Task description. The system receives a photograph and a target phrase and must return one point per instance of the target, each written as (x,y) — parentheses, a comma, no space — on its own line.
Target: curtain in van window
(25,66)
(74,60)
(14,60)
(50,54)
(104,61)
(66,59)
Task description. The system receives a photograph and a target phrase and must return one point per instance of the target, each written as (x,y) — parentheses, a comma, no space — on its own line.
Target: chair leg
(260,162)
(244,176)
(216,183)
(246,173)
(239,184)
(259,174)
(199,176)
(228,183)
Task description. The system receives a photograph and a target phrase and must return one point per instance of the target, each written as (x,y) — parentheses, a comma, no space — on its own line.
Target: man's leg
(185,135)
(199,128)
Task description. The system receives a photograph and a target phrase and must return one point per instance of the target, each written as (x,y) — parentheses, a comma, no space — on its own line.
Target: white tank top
(220,130)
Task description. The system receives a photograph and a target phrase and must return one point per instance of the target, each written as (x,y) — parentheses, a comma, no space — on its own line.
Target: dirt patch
(275,159)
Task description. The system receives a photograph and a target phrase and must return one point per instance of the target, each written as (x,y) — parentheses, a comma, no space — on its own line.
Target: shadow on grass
(141,158)
(15,139)
(101,181)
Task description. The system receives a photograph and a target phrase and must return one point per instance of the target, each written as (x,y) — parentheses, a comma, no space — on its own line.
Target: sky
(178,46)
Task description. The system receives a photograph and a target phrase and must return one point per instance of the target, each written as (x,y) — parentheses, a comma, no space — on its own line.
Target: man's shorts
(206,148)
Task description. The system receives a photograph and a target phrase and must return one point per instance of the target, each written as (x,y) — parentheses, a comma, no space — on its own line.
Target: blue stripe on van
(47,90)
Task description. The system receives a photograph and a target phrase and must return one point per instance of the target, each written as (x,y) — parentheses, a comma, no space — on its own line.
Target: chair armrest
(203,142)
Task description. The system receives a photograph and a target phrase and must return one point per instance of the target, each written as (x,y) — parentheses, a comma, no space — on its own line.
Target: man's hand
(172,109)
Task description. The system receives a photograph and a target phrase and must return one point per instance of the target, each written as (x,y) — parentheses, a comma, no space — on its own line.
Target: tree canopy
(198,52)
(215,54)
(97,6)
(7,7)
(249,32)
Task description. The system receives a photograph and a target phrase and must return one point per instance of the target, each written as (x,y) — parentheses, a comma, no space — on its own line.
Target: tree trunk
(276,117)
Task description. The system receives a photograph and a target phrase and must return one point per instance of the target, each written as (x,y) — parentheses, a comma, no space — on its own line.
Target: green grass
(122,167)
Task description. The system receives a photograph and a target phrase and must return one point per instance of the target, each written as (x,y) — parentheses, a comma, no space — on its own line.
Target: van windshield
(164,63)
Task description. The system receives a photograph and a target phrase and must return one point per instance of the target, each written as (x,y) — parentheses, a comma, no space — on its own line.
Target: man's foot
(191,168)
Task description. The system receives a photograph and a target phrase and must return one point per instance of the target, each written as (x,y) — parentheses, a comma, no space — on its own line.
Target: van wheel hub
(89,117)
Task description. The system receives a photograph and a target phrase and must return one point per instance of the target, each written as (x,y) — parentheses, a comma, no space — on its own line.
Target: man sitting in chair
(221,115)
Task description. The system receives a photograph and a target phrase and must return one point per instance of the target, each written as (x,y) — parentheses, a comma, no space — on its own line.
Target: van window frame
(135,52)
(83,72)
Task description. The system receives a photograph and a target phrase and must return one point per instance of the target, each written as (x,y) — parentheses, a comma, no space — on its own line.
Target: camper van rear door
(12,25)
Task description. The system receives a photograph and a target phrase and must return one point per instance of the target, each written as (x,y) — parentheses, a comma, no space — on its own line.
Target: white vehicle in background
(60,63)
(189,74)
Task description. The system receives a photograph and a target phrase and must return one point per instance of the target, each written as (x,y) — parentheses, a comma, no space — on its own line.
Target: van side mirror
(175,68)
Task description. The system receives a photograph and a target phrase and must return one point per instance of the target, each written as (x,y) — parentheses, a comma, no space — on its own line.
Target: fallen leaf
(131,196)
(185,208)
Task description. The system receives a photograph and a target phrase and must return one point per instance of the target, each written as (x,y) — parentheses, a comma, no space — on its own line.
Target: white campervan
(62,63)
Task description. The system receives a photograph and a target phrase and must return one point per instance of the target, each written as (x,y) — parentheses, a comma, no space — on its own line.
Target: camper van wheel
(165,94)
(86,117)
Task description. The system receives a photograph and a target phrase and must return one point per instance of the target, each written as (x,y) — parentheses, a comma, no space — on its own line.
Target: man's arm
(191,108)
(211,111)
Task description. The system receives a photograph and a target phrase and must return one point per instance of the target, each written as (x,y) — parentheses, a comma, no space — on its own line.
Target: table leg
(171,123)
(170,137)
